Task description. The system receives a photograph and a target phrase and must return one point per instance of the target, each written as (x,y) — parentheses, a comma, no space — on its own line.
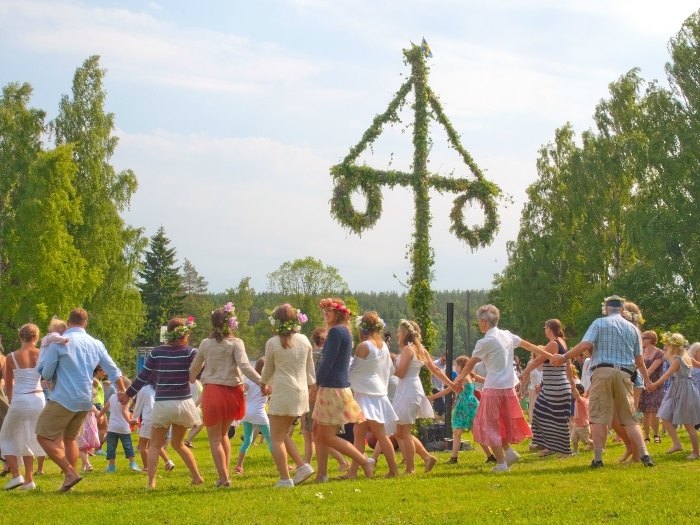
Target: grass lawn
(537,490)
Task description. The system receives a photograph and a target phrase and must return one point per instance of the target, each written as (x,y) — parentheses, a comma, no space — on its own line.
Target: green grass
(537,490)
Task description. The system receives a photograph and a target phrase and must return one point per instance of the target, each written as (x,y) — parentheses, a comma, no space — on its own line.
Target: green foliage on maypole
(349,177)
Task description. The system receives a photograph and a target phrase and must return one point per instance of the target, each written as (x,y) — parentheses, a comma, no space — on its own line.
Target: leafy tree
(161,286)
(112,249)
(306,277)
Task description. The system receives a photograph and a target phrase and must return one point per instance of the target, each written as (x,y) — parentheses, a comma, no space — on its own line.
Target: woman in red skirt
(223,357)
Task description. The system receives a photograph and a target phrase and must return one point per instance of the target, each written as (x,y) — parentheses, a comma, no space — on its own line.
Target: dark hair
(555,326)
(219,325)
(78,317)
(259,364)
(580,388)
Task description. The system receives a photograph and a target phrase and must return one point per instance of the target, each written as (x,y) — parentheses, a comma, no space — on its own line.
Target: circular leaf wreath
(343,209)
(477,235)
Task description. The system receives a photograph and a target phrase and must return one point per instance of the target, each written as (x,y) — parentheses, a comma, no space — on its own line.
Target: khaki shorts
(611,395)
(181,412)
(56,421)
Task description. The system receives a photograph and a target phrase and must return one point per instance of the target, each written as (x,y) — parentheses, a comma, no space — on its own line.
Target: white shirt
(117,423)
(497,350)
(586,373)
(535,378)
(437,384)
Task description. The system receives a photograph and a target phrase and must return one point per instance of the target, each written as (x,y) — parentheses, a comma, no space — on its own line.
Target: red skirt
(499,418)
(222,403)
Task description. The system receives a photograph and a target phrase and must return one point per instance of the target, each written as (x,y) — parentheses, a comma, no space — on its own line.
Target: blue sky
(232,113)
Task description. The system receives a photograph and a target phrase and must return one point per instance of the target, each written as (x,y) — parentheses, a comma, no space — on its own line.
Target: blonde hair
(673,350)
(412,336)
(29,332)
(57,325)
(693,349)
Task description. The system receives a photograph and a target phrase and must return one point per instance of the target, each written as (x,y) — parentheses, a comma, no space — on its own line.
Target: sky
(232,113)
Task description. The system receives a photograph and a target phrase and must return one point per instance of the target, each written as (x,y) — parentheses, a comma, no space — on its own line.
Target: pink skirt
(222,403)
(88,438)
(499,418)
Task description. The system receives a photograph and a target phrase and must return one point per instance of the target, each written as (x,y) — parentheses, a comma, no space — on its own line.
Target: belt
(610,365)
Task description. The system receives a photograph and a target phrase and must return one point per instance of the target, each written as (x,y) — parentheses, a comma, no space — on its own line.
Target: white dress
(410,401)
(369,380)
(18,434)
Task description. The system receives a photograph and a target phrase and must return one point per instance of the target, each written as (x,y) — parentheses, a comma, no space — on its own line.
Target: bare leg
(220,449)
(671,431)
(456,442)
(630,449)
(54,448)
(326,435)
(29,467)
(279,426)
(185,453)
(293,451)
(384,443)
(13,465)
(154,447)
(693,435)
(403,435)
(143,451)
(599,434)
(40,464)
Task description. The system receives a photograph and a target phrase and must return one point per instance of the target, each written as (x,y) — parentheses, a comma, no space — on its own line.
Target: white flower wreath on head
(366,327)
(409,327)
(615,298)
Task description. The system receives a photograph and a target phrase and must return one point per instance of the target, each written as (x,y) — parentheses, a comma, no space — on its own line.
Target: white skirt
(18,434)
(379,409)
(181,412)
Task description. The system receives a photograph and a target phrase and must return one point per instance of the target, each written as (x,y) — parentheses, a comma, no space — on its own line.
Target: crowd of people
(58,405)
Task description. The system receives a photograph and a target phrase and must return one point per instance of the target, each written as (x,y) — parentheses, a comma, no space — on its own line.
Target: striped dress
(550,418)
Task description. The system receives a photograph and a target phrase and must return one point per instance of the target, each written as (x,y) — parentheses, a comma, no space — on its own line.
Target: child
(143,408)
(681,404)
(255,416)
(580,428)
(464,410)
(54,335)
(89,438)
(118,429)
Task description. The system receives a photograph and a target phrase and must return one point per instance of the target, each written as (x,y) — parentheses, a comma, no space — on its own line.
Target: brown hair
(175,322)
(651,335)
(28,333)
(219,323)
(555,326)
(285,313)
(370,323)
(318,336)
(259,364)
(78,317)
(461,361)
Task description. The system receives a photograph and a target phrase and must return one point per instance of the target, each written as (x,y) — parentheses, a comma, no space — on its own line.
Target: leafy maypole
(349,177)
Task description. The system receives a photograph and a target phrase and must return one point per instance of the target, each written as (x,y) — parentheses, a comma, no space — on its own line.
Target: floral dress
(465,408)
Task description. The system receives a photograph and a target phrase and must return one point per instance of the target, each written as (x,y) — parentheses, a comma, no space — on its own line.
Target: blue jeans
(113,438)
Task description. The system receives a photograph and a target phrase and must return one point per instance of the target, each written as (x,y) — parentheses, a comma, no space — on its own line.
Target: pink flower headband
(330,304)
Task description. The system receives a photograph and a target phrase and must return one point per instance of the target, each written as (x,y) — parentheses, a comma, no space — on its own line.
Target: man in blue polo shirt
(70,366)
(616,351)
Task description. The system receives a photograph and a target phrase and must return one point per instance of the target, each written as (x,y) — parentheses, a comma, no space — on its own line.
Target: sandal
(169,465)
(657,439)
(189,444)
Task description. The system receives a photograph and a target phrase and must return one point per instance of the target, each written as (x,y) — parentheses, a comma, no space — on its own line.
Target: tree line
(616,209)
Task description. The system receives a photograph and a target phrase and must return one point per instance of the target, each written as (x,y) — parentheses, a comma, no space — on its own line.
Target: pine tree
(161,286)
(192,282)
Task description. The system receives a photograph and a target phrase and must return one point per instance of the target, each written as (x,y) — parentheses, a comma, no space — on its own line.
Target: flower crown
(674,340)
(633,317)
(409,327)
(367,327)
(330,304)
(612,299)
(291,325)
(231,322)
(180,331)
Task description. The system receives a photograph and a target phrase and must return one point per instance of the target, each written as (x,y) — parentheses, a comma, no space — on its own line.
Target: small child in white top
(143,408)
(118,429)
(255,416)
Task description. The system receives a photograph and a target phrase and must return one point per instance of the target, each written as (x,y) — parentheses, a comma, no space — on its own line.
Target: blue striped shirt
(169,367)
(615,341)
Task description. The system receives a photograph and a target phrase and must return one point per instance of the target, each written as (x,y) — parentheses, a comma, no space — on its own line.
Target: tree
(112,250)
(21,128)
(161,286)
(306,277)
(192,282)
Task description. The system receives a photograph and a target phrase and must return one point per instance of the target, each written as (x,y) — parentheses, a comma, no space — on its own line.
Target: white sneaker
(302,473)
(284,484)
(512,457)
(28,486)
(14,483)
(501,467)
